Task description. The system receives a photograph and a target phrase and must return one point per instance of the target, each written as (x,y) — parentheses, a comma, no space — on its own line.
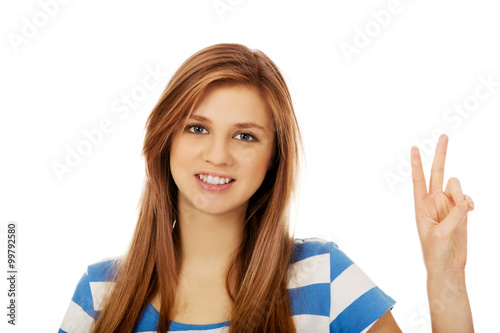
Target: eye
(247,135)
(195,126)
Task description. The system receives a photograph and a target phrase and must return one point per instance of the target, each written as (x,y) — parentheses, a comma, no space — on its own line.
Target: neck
(208,241)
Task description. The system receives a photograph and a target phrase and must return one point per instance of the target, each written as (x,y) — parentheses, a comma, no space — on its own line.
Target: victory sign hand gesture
(442,228)
(441,216)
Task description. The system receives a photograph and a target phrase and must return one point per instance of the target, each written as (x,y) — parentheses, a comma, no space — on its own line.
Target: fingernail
(463,205)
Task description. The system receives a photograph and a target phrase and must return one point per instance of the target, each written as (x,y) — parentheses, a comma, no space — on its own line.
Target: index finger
(417,172)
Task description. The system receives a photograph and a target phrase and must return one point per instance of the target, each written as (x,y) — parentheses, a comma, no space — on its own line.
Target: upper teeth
(214,180)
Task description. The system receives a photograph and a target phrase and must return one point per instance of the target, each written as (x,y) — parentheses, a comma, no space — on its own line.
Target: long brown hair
(260,266)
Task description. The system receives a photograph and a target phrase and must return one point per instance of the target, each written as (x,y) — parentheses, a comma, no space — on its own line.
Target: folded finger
(469,200)
(454,189)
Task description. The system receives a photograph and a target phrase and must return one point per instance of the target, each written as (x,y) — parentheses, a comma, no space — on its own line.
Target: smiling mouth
(211,180)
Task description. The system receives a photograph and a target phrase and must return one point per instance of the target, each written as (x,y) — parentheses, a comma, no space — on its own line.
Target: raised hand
(441,216)
(442,228)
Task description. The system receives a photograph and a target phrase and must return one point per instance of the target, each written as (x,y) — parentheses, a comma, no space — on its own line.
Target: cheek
(183,150)
(258,152)
(249,156)
(178,158)
(254,160)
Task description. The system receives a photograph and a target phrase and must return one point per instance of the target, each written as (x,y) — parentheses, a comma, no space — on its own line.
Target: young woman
(212,249)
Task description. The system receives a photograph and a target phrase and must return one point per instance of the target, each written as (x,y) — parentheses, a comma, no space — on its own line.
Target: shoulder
(310,247)
(98,279)
(324,281)
(84,306)
(103,270)
(95,279)
(318,259)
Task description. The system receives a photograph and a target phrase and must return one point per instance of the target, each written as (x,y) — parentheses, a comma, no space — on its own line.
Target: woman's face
(230,133)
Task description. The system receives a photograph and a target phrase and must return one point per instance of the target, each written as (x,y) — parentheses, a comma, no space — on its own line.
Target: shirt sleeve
(356,302)
(80,313)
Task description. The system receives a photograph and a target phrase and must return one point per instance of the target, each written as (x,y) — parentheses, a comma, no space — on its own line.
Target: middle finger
(437,171)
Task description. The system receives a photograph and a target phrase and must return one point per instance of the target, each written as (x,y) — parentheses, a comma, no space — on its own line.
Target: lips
(214,174)
(213,188)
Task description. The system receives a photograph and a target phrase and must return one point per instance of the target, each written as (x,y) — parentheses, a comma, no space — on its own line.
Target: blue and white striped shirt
(328,293)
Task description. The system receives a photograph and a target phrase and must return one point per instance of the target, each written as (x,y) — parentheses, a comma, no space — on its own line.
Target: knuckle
(419,180)
(438,170)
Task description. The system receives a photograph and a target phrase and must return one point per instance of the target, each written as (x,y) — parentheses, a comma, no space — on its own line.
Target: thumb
(457,214)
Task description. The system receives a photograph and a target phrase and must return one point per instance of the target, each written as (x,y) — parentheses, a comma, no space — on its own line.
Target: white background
(359,116)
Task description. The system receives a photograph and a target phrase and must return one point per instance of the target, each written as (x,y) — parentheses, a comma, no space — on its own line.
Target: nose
(217,151)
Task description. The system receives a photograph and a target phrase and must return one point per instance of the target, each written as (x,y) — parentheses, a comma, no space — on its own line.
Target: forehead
(234,104)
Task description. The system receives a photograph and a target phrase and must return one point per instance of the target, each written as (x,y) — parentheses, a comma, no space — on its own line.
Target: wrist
(446,289)
(447,281)
(449,303)
(451,274)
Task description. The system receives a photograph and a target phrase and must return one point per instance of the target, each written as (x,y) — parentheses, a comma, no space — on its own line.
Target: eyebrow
(239,125)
